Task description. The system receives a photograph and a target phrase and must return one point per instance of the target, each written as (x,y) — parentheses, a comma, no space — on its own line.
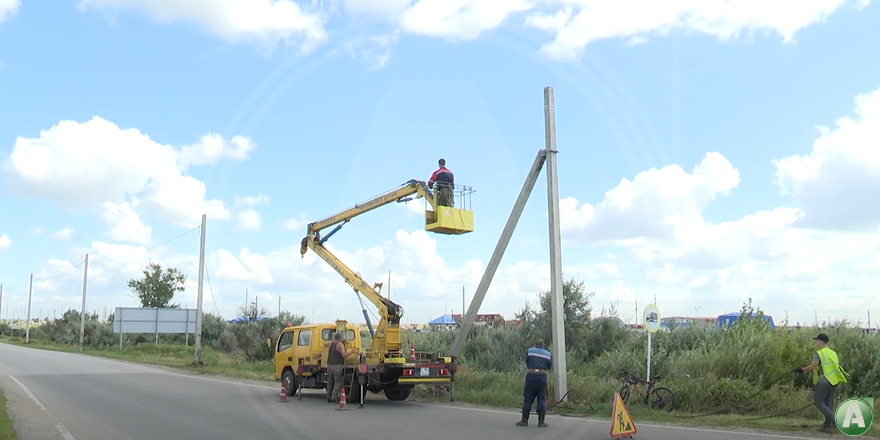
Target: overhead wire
(211,289)
(107,260)
(104,260)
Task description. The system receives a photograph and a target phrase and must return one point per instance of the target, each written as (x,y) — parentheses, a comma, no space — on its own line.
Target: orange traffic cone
(283,396)
(412,352)
(342,402)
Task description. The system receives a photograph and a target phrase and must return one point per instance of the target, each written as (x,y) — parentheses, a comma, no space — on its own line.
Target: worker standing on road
(335,360)
(827,374)
(538,362)
(445,184)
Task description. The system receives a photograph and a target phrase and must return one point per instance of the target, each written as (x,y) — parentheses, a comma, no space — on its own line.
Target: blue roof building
(444,322)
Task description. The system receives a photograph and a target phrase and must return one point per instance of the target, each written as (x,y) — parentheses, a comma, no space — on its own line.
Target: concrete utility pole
(82,317)
(1,304)
(556,284)
(27,334)
(279,305)
(198,335)
(557,310)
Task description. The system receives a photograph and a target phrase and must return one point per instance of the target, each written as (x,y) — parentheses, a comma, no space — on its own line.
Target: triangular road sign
(621,422)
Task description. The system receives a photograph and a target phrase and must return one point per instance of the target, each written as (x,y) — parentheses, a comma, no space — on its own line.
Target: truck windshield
(327,334)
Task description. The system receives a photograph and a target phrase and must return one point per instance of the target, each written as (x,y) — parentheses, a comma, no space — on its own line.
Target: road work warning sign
(621,422)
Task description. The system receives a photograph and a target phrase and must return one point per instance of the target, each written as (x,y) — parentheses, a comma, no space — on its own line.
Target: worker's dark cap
(822,337)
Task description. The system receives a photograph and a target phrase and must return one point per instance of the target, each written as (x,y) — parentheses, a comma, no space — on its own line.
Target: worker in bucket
(445,181)
(827,374)
(538,362)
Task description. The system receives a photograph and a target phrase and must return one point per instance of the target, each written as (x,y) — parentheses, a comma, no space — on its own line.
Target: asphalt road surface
(69,396)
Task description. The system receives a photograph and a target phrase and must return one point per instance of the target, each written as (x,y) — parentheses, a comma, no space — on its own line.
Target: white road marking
(495,411)
(64,432)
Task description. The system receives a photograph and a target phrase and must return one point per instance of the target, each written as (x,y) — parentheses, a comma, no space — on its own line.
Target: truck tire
(288,381)
(397,394)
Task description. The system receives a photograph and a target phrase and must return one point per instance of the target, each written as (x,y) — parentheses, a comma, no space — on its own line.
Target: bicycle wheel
(660,398)
(624,393)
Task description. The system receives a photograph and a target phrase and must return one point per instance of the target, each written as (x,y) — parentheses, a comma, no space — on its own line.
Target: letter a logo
(853,417)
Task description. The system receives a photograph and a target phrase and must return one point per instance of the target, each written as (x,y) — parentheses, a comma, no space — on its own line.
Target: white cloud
(774,256)
(295,224)
(652,205)
(835,182)
(126,225)
(576,23)
(262,22)
(249,220)
(458,19)
(84,165)
(37,230)
(251,200)
(572,24)
(211,148)
(63,234)
(374,50)
(5,242)
(8,8)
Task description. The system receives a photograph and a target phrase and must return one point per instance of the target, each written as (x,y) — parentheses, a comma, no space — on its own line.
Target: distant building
(445,322)
(686,321)
(450,321)
(484,319)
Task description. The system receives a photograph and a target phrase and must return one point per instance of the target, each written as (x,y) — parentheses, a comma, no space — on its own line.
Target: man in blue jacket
(538,362)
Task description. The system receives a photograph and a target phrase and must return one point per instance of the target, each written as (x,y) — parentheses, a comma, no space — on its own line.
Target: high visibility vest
(831,369)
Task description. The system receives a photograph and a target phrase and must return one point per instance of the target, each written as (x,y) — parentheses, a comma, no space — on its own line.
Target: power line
(60,273)
(148,249)
(211,289)
(106,260)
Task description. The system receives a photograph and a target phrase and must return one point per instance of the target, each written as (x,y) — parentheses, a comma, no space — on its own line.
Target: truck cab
(300,351)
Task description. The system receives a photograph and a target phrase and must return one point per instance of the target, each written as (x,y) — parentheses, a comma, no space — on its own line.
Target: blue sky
(117,113)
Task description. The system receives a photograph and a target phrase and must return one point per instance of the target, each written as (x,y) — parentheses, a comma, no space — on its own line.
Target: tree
(577,311)
(253,311)
(158,287)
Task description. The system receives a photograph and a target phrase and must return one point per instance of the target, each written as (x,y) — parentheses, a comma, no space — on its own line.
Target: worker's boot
(525,419)
(541,423)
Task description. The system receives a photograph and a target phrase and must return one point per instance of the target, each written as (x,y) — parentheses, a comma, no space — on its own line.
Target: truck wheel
(398,394)
(288,380)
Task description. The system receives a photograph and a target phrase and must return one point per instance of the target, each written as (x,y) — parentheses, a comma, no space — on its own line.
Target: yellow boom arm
(387,334)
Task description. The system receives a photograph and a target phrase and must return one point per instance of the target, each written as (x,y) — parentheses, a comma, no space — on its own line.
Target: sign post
(651,322)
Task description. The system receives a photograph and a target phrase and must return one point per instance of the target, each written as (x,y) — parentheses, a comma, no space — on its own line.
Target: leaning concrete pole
(557,310)
(503,241)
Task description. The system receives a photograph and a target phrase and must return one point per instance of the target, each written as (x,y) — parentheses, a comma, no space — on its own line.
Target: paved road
(89,398)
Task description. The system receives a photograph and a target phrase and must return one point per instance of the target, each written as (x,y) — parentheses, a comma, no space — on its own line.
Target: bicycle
(655,398)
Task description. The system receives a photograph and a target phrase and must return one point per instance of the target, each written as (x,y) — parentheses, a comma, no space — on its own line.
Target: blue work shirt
(538,359)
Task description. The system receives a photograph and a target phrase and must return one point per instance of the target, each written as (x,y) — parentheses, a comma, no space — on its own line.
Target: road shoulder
(29,421)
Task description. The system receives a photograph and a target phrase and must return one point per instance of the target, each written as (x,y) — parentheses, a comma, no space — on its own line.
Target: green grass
(6,432)
(588,396)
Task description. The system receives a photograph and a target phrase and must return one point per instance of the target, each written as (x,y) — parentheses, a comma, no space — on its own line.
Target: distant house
(686,321)
(445,322)
(727,320)
(486,319)
(450,321)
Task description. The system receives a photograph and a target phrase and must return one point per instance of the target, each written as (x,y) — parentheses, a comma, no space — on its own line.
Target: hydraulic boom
(442,220)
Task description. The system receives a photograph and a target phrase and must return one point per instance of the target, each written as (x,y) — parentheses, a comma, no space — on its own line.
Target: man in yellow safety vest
(827,374)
